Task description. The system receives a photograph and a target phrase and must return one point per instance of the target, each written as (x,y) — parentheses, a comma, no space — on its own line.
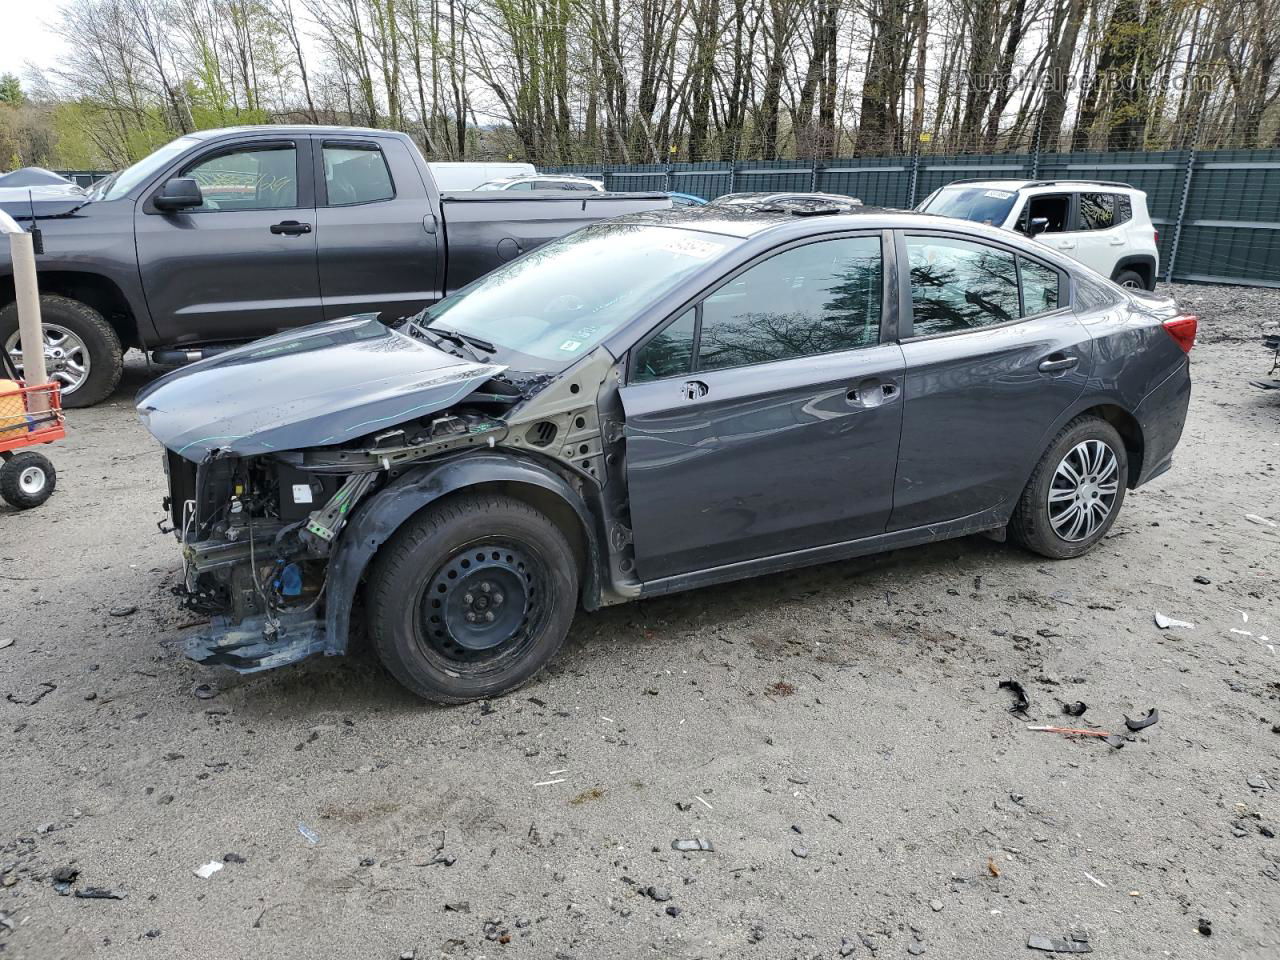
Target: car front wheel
(1075,491)
(471,598)
(82,352)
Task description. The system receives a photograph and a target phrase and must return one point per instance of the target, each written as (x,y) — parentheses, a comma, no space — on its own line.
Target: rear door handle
(1117,241)
(1058,362)
(290,228)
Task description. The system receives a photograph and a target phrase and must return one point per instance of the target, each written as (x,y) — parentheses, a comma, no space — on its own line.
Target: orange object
(23,422)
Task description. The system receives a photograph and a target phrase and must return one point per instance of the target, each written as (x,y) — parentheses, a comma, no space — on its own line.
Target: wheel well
(545,502)
(1143,268)
(1130,432)
(92,290)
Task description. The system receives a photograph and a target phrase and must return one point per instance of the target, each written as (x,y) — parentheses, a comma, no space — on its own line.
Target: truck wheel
(82,352)
(471,598)
(1131,280)
(1075,491)
(27,480)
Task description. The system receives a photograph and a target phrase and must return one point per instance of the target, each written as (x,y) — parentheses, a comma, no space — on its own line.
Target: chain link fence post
(915,173)
(1186,194)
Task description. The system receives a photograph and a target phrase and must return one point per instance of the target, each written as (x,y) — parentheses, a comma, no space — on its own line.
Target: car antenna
(37,238)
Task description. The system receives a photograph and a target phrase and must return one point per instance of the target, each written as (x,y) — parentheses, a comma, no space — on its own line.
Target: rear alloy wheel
(1131,280)
(1075,492)
(27,479)
(471,598)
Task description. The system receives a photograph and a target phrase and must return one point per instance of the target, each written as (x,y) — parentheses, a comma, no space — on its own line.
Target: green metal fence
(1217,212)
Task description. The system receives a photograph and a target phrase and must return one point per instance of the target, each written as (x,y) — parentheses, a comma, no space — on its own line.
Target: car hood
(54,200)
(323,384)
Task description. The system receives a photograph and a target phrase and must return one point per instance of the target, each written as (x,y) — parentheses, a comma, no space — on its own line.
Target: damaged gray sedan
(664,401)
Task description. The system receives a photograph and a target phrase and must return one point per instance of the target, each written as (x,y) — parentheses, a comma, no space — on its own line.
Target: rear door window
(959,285)
(1097,211)
(356,173)
(1041,287)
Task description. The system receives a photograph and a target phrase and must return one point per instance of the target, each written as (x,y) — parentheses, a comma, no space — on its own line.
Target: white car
(1103,224)
(467,175)
(544,182)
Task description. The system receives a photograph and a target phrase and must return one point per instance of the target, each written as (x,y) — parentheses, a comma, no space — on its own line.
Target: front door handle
(694,390)
(1057,363)
(1066,244)
(290,228)
(872,392)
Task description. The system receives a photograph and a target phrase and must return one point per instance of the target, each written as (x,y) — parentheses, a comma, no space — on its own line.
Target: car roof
(268,129)
(1014,185)
(751,221)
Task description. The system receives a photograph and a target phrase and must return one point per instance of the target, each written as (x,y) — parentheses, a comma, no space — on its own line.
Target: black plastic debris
(1076,709)
(1152,717)
(1204,928)
(1020,701)
(1072,943)
(100,893)
(1203,580)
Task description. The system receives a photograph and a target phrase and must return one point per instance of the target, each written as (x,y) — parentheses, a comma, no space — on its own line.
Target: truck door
(377,236)
(243,264)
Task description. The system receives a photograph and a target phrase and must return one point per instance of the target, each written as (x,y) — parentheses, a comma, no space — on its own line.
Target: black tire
(16,484)
(106,357)
(471,555)
(1131,279)
(1032,525)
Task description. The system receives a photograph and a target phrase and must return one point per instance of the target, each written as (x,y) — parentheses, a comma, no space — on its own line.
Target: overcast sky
(24,38)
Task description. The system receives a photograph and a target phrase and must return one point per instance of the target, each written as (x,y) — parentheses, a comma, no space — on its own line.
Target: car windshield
(118,184)
(554,305)
(980,204)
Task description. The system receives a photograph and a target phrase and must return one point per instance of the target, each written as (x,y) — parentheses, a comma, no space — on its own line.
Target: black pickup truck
(225,236)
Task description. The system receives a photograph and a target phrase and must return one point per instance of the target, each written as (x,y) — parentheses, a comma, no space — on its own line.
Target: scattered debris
(6,642)
(704,803)
(674,911)
(1112,739)
(1204,928)
(308,834)
(992,868)
(1258,783)
(1076,709)
(1094,880)
(936,906)
(207,870)
(1073,943)
(1020,701)
(1168,623)
(233,858)
(781,689)
(800,851)
(1152,717)
(205,691)
(1254,518)
(100,893)
(595,793)
(692,846)
(461,906)
(123,611)
(657,894)
(1203,580)
(550,783)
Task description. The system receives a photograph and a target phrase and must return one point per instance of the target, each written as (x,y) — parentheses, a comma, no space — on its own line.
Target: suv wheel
(1075,491)
(471,598)
(1131,280)
(82,352)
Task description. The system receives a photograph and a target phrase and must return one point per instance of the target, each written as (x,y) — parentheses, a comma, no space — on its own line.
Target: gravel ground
(837,734)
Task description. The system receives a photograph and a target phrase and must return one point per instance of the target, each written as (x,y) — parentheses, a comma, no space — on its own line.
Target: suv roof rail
(1041,183)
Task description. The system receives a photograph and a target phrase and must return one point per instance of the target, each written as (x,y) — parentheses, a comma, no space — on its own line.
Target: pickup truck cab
(1101,223)
(225,236)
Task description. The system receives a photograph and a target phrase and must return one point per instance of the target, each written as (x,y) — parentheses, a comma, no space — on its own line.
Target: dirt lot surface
(837,734)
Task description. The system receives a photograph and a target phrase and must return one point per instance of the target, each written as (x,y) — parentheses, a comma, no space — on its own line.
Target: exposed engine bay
(260,528)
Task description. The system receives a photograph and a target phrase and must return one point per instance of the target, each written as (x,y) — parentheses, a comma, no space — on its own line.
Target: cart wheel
(27,479)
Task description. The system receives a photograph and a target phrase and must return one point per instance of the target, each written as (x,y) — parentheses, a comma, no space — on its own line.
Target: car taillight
(1183,330)
(1155,234)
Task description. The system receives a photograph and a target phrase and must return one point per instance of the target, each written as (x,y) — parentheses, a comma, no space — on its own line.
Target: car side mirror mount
(1038,226)
(180,193)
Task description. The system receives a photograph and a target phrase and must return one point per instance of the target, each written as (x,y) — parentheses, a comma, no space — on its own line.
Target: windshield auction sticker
(692,247)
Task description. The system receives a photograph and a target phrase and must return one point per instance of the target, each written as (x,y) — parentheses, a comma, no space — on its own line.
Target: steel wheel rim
(66,357)
(32,481)
(484,605)
(1083,492)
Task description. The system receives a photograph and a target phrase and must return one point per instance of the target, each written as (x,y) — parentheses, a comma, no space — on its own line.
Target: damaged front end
(272,449)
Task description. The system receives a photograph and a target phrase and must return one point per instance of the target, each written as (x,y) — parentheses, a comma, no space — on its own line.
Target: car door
(764,418)
(376,239)
(243,264)
(994,356)
(1058,210)
(1100,240)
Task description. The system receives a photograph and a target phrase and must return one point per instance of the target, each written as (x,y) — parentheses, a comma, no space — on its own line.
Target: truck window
(356,174)
(248,178)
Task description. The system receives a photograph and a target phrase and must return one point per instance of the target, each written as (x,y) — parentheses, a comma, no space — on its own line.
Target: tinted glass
(262,179)
(559,301)
(356,175)
(668,353)
(818,298)
(522,185)
(1097,211)
(980,204)
(1040,291)
(960,285)
(1053,208)
(1124,208)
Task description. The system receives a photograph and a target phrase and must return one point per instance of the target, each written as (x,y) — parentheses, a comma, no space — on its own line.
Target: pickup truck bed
(225,236)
